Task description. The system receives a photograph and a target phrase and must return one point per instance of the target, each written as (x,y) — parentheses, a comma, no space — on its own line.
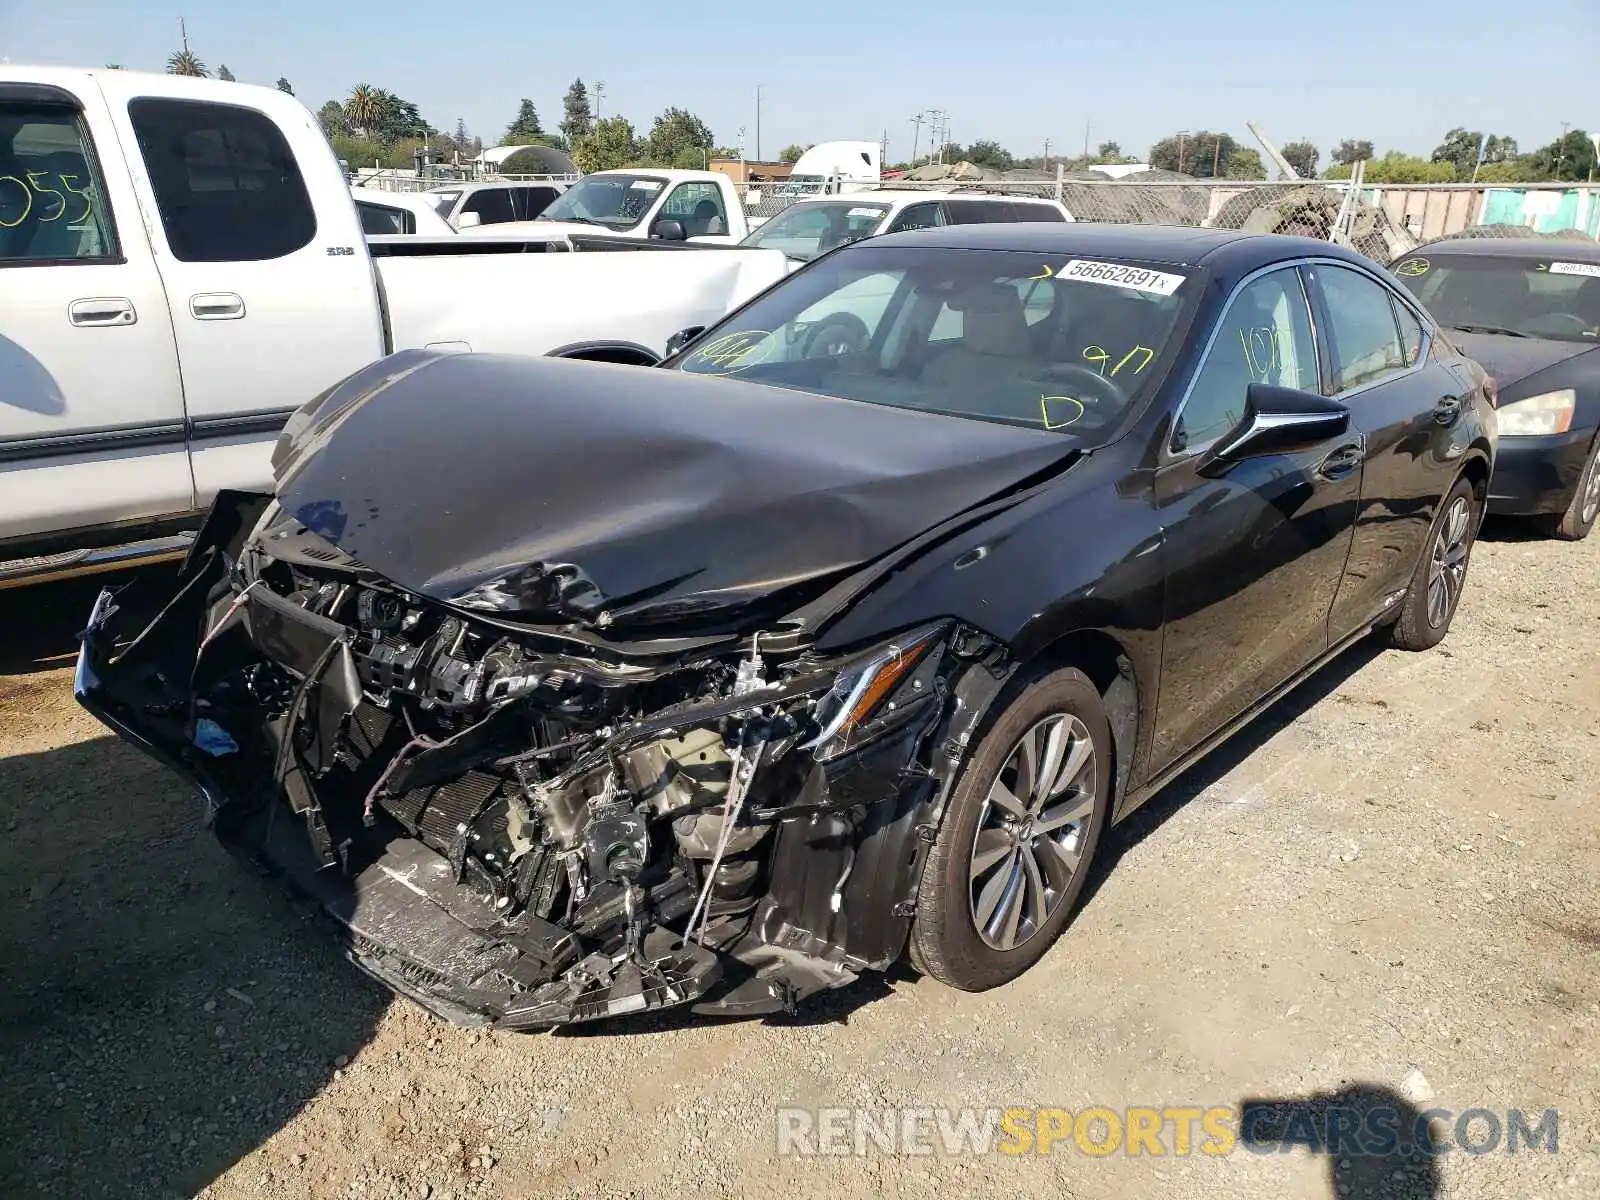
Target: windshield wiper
(1500,329)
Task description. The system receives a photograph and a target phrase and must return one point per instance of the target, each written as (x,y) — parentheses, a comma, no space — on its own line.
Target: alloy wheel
(1448,570)
(1030,835)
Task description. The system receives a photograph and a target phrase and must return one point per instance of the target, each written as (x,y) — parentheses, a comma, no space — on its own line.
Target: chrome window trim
(1318,337)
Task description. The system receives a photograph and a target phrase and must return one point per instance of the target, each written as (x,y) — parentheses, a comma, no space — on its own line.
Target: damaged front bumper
(512,833)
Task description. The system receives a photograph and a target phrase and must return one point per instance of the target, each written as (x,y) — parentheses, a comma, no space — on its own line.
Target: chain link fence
(1381,221)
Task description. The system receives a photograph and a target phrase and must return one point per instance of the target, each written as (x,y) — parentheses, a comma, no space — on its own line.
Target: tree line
(374,124)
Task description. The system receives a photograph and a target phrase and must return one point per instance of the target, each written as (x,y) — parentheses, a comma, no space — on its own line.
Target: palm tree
(366,108)
(186,62)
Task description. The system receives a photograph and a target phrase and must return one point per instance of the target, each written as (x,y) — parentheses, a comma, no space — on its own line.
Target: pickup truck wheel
(1017,841)
(1574,524)
(1430,602)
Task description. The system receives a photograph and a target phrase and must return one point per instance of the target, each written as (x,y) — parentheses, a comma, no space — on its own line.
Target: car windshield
(806,230)
(1546,297)
(1039,340)
(615,201)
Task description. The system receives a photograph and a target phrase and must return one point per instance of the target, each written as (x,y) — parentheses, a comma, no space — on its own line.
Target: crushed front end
(531,825)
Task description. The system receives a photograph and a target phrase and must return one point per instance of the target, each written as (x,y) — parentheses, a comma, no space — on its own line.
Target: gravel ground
(1389,889)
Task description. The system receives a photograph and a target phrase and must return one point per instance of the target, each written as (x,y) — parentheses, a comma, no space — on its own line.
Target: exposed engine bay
(524,824)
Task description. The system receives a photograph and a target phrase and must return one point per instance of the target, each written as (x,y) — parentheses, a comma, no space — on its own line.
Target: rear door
(1406,404)
(261,252)
(91,407)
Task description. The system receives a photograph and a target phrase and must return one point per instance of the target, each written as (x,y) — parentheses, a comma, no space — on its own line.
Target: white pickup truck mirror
(669,230)
(469,220)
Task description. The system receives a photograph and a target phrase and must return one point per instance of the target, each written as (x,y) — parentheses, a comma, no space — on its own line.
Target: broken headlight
(864,693)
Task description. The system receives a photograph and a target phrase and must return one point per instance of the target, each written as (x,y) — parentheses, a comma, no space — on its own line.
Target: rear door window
(1366,340)
(1026,211)
(226,183)
(980,212)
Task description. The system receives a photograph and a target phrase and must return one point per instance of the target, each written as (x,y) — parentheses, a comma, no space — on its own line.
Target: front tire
(1574,524)
(1018,838)
(1435,593)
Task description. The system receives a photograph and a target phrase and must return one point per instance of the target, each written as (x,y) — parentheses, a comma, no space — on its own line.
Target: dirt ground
(1389,887)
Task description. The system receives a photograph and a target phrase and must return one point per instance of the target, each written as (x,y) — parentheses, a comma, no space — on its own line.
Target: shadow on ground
(162,1010)
(1375,1143)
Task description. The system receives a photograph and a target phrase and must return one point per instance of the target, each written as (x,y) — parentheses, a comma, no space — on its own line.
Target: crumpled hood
(582,491)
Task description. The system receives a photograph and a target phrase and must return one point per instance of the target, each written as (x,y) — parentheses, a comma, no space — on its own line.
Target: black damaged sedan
(572,690)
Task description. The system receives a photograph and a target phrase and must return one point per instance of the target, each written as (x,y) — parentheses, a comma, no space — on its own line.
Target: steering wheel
(1100,389)
(836,335)
(1578,324)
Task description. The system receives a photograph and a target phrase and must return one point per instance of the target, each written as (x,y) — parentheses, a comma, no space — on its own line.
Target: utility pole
(758,122)
(937,119)
(183,32)
(1181,136)
(1047,154)
(1086,137)
(1561,147)
(916,135)
(599,90)
(1216,157)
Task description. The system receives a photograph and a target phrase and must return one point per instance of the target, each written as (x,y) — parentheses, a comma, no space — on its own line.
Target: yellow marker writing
(27,195)
(1148,353)
(1055,422)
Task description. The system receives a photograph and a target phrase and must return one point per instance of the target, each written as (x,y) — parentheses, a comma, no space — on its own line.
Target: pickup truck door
(261,250)
(91,407)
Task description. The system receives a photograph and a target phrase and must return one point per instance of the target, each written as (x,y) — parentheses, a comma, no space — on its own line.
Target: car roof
(1513,247)
(894,195)
(479,185)
(1175,244)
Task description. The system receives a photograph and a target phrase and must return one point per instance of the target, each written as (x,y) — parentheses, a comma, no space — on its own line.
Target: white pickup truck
(182,265)
(642,204)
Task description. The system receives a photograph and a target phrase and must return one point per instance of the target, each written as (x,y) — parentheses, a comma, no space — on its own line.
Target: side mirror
(1277,420)
(682,338)
(469,220)
(669,230)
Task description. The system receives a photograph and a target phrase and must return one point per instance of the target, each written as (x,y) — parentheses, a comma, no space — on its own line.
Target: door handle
(1447,410)
(1341,462)
(102,310)
(216,306)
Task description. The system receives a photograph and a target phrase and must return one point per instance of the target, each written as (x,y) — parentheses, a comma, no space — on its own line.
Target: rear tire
(1574,524)
(1435,593)
(1018,839)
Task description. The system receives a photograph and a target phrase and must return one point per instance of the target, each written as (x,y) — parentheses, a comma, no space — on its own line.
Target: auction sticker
(1560,268)
(1139,279)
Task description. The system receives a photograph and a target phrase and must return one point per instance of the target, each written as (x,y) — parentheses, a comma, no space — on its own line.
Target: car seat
(994,340)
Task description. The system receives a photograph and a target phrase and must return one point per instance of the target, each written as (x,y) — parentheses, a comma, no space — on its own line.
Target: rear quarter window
(226,183)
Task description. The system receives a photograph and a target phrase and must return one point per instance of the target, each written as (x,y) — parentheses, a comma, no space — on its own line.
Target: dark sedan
(572,690)
(1529,311)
